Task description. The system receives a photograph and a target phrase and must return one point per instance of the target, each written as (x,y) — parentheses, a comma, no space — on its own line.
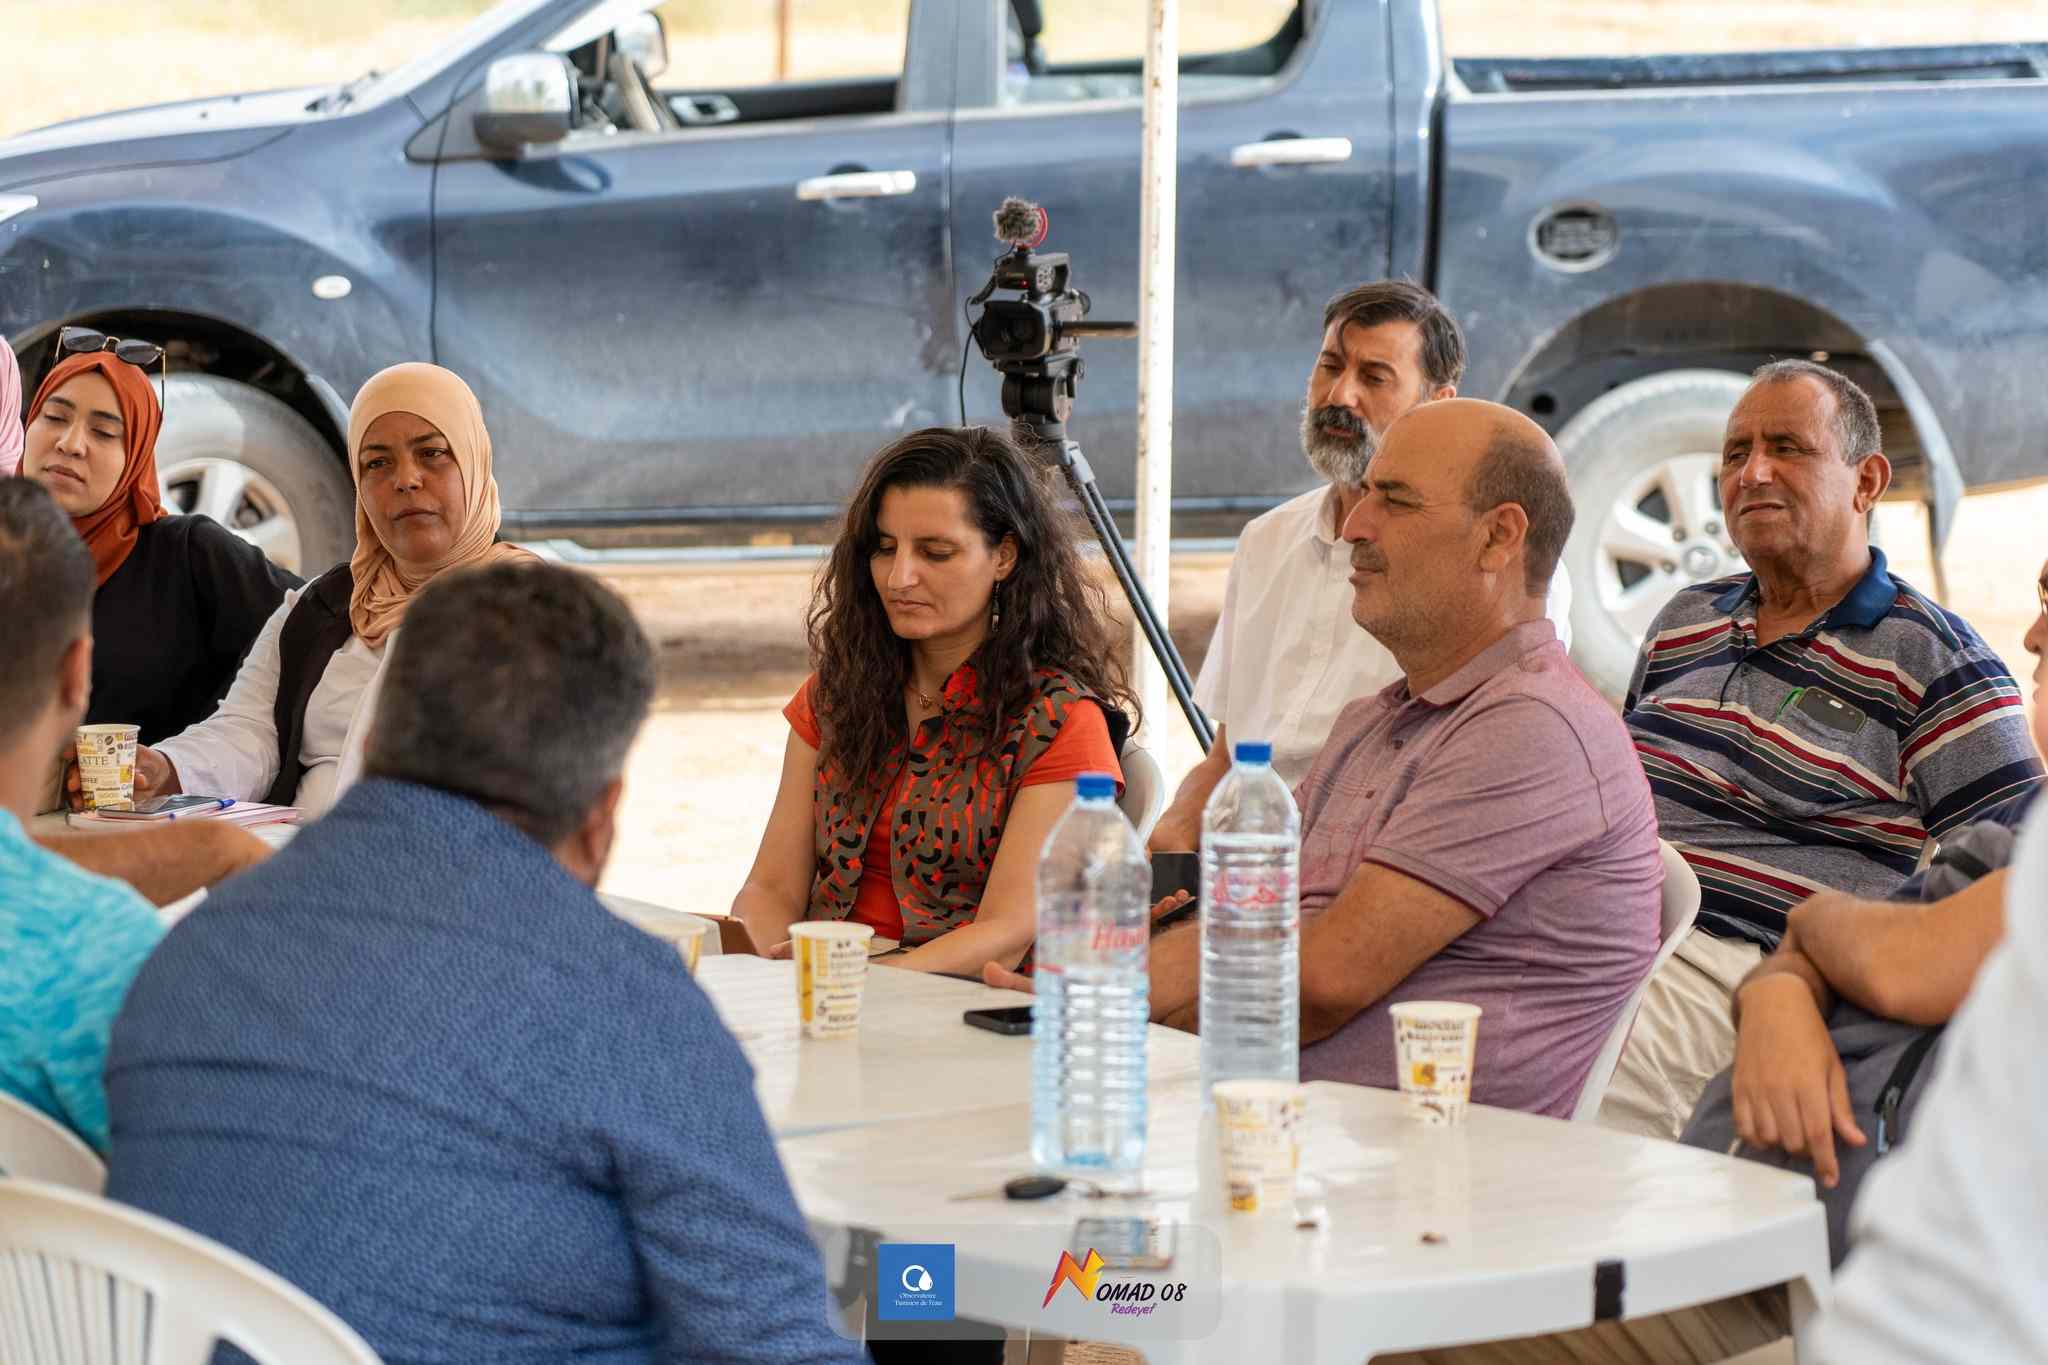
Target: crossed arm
(1909,962)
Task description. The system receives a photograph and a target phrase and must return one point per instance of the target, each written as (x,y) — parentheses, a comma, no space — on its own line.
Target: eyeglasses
(2041,591)
(84,340)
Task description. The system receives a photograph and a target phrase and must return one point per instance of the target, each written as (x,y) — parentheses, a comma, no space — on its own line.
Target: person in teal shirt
(70,941)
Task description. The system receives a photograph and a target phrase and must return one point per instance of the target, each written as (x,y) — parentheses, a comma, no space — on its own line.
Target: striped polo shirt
(1825,759)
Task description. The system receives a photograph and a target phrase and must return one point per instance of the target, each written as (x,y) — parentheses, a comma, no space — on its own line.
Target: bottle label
(1113,938)
(1256,887)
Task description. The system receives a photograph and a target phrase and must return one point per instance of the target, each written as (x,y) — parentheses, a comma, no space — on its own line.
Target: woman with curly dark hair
(967,670)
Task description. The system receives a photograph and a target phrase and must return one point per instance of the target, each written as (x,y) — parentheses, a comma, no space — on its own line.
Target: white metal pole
(1157,217)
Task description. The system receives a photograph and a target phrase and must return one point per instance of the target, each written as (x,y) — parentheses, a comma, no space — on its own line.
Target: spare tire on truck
(1644,460)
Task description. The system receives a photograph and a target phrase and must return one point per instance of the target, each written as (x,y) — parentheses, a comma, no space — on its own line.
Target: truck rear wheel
(1643,462)
(242,457)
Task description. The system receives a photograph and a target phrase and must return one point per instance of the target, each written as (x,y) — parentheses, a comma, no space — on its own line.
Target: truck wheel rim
(240,499)
(1662,533)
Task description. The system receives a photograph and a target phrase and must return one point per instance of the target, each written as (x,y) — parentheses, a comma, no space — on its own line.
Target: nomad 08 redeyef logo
(1126,1298)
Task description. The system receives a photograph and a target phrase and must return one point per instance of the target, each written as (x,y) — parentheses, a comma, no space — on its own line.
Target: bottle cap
(1253,751)
(1095,787)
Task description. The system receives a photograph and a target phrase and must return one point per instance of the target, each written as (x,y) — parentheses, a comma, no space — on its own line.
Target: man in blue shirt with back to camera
(413,1065)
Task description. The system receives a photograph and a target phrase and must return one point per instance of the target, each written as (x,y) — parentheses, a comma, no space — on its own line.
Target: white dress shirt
(1286,656)
(1948,1256)
(349,770)
(233,752)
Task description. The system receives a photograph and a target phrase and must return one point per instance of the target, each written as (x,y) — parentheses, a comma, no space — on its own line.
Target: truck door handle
(1291,151)
(700,110)
(856,185)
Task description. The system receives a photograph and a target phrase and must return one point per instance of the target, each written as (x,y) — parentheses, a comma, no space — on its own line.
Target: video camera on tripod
(1034,342)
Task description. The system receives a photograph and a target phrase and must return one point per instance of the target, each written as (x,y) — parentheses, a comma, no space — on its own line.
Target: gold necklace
(924,698)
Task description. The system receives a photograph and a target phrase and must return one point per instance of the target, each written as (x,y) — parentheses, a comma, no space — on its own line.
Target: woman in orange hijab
(426,502)
(180,597)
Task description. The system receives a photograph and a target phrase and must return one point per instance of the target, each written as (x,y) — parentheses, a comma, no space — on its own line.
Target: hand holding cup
(152,775)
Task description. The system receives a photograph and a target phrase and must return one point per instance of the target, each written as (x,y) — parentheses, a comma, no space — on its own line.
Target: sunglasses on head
(85,341)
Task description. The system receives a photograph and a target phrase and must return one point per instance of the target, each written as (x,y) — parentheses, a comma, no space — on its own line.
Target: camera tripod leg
(1081,477)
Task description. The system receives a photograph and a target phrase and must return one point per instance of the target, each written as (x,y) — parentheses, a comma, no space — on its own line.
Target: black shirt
(171,626)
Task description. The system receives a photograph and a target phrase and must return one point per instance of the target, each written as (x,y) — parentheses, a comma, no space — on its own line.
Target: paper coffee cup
(106,765)
(1434,1045)
(1258,1135)
(831,966)
(678,927)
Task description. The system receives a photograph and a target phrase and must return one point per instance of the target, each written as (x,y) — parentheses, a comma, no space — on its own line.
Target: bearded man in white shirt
(1286,657)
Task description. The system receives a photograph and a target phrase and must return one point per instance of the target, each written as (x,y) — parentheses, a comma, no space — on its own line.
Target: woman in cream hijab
(426,502)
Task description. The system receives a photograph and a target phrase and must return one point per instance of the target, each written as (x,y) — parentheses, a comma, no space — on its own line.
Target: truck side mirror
(645,41)
(528,97)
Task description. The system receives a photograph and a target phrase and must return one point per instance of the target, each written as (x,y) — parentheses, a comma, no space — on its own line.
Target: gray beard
(1340,461)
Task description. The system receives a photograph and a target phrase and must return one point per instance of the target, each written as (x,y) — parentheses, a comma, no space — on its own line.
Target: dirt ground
(731,639)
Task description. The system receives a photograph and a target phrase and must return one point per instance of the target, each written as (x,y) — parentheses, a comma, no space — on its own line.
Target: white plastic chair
(90,1282)
(1144,795)
(1681,907)
(34,1146)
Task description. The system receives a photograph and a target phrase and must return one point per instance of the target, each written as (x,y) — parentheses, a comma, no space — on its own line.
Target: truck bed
(1859,66)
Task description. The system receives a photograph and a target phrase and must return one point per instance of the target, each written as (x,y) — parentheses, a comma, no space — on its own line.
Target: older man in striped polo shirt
(1807,726)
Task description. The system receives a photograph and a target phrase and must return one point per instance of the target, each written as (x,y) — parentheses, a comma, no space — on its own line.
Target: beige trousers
(1684,1036)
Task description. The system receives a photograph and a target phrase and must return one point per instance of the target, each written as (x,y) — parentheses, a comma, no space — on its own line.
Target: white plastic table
(53,822)
(913,1058)
(1508,1226)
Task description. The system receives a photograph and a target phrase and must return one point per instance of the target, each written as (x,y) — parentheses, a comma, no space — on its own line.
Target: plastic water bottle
(1251,925)
(1088,1026)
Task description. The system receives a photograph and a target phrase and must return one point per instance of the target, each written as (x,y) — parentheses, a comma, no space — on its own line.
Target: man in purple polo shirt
(1479,830)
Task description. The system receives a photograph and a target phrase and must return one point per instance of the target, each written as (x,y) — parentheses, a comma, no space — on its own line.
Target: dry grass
(62,62)
(65,61)
(68,61)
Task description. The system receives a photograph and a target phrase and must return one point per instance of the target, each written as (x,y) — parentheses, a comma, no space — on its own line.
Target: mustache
(1338,420)
(1367,556)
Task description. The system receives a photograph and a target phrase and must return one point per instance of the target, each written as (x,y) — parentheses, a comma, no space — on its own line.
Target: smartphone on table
(160,807)
(1011,1020)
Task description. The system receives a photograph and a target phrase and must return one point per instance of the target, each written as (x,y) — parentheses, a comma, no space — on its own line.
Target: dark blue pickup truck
(687,310)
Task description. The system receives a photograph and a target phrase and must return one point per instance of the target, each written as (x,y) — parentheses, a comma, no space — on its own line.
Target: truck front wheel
(242,457)
(1643,461)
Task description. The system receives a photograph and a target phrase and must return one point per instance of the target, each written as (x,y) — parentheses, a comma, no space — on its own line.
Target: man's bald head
(1498,456)
(1521,465)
